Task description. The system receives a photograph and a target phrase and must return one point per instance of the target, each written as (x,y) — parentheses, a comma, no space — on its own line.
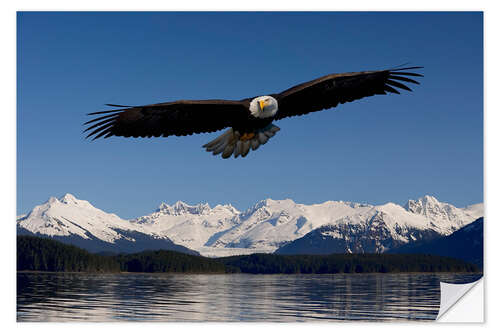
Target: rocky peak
(68,199)
(423,206)
(181,208)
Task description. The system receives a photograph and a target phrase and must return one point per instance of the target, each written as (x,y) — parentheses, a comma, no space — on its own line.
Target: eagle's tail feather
(234,143)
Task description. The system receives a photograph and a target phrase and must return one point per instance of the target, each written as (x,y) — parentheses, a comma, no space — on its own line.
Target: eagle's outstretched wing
(164,119)
(330,90)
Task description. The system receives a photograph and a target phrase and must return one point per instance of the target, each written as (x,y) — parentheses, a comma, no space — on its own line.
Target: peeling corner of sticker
(454,299)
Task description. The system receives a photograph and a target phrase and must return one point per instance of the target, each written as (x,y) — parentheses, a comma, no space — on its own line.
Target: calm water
(232,297)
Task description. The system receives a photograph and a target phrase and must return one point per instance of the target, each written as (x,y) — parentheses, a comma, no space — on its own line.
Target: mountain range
(268,226)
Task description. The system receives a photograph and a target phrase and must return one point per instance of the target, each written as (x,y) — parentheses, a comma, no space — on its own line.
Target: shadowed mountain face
(370,238)
(132,242)
(465,244)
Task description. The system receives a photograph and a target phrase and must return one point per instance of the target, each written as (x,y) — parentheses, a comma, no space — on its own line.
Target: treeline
(42,254)
(345,263)
(162,261)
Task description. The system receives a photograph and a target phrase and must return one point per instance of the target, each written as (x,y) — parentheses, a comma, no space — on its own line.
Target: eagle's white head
(263,106)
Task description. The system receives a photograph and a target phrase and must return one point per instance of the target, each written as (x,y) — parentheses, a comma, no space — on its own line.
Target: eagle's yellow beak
(262,104)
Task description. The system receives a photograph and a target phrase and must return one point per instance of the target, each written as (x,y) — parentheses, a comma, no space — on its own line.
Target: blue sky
(379,149)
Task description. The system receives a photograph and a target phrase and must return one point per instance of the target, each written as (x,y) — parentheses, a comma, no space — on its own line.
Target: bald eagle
(250,120)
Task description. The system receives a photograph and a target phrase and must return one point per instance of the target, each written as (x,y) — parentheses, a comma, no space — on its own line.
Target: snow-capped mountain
(272,223)
(443,215)
(70,216)
(383,227)
(77,222)
(191,226)
(223,230)
(375,230)
(268,225)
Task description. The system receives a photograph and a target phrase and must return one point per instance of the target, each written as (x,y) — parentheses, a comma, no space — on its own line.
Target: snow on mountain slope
(384,227)
(444,216)
(77,222)
(476,210)
(394,218)
(270,223)
(465,243)
(70,216)
(190,226)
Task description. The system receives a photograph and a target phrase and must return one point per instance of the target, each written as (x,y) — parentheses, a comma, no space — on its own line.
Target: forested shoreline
(42,254)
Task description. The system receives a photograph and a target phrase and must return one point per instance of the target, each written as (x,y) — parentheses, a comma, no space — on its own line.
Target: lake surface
(230,297)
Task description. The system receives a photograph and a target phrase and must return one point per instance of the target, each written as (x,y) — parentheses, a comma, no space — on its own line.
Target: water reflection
(232,297)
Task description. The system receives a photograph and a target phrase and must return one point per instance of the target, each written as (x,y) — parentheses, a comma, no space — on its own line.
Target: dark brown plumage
(165,119)
(328,91)
(186,117)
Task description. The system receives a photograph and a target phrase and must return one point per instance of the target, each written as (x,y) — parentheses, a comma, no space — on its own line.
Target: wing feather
(99,118)
(330,90)
(397,84)
(402,78)
(165,119)
(391,89)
